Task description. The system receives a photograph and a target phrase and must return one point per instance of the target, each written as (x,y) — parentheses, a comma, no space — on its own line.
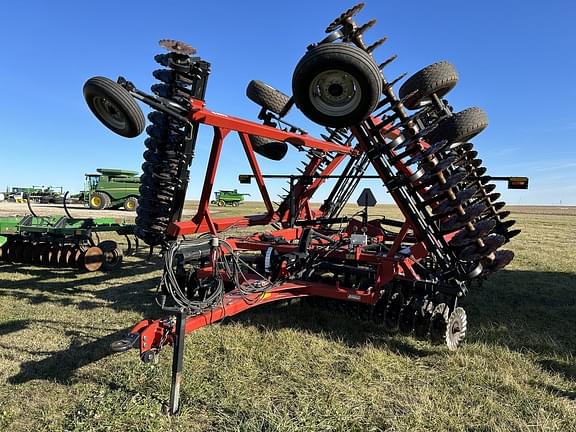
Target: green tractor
(228,197)
(112,188)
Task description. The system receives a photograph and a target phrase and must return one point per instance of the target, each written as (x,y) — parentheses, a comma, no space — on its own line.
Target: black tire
(112,254)
(268,97)
(131,203)
(336,85)
(437,78)
(114,107)
(274,150)
(460,127)
(99,201)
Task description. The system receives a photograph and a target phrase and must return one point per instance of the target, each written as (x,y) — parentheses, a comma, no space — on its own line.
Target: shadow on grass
(525,311)
(61,365)
(520,310)
(65,287)
(555,391)
(346,323)
(564,368)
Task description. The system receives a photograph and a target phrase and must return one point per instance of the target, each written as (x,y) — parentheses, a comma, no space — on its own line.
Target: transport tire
(268,97)
(337,84)
(114,107)
(460,127)
(274,150)
(131,204)
(437,78)
(99,201)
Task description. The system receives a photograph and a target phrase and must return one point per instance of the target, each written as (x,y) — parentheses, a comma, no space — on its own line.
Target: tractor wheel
(437,78)
(131,204)
(274,150)
(235,203)
(337,85)
(221,203)
(268,97)
(460,127)
(99,201)
(114,107)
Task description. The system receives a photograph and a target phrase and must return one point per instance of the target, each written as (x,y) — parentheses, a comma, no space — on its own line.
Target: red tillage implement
(411,272)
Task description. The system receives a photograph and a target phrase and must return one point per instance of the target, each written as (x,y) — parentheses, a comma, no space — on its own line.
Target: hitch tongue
(122,345)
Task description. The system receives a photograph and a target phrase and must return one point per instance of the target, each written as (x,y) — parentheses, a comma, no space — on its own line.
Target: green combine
(112,188)
(228,197)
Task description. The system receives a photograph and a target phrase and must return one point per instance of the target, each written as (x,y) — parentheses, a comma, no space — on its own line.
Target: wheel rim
(130,205)
(335,93)
(110,112)
(96,201)
(112,259)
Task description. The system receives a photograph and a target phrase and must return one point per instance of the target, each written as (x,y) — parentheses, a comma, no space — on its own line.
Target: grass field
(296,367)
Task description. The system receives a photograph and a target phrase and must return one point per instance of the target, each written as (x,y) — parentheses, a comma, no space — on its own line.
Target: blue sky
(515,58)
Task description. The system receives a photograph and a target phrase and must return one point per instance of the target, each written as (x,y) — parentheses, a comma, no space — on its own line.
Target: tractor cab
(90,184)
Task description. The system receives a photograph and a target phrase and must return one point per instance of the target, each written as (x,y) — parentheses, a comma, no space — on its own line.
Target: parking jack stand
(177,363)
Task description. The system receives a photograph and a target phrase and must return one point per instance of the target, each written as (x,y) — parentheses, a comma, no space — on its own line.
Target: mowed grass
(292,367)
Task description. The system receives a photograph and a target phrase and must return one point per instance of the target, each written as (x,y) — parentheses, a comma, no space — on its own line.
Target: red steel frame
(153,334)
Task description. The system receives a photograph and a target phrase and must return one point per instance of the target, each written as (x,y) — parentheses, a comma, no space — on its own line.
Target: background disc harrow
(107,255)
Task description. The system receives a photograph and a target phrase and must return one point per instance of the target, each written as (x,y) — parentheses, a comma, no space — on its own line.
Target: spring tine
(129,250)
(342,133)
(364,27)
(30,206)
(387,61)
(376,44)
(332,138)
(65,206)
(150,253)
(391,84)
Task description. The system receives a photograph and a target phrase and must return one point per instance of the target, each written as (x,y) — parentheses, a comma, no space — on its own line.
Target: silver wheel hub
(335,93)
(110,112)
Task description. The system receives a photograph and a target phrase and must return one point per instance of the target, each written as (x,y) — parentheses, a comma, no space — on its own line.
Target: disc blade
(476,252)
(456,222)
(501,260)
(481,229)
